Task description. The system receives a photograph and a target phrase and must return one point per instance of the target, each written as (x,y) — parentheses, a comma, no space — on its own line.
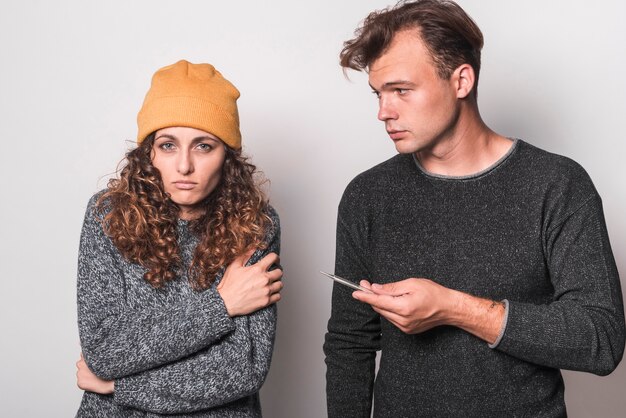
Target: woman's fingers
(266,262)
(275,274)
(276,287)
(275,297)
(245,289)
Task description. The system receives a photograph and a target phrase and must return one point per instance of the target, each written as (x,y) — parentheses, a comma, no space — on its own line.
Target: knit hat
(194,96)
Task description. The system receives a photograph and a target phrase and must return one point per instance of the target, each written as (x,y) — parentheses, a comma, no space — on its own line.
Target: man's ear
(464,79)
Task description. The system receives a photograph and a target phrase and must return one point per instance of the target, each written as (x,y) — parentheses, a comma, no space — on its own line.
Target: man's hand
(417,305)
(86,380)
(412,305)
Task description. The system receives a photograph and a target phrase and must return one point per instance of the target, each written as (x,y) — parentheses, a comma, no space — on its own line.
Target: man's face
(418,107)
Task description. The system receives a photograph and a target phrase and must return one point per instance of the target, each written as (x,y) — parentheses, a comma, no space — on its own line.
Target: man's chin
(404,147)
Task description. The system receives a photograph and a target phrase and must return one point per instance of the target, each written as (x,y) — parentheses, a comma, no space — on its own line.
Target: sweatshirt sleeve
(117,340)
(353,335)
(583,327)
(233,368)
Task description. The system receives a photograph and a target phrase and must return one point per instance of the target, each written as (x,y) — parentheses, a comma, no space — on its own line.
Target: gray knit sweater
(530,230)
(170,351)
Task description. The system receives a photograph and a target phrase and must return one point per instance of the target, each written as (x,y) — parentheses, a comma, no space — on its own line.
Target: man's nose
(386,110)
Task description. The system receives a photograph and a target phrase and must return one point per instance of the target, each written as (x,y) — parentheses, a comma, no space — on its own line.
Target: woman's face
(190,162)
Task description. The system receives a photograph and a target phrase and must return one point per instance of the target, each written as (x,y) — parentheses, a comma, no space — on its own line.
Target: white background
(72,78)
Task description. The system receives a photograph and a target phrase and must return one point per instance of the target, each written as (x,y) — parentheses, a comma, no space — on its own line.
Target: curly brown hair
(142,220)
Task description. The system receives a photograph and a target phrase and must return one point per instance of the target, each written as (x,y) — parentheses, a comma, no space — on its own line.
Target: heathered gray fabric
(170,351)
(530,230)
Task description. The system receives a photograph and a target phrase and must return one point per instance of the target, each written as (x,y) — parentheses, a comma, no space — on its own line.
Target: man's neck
(471,148)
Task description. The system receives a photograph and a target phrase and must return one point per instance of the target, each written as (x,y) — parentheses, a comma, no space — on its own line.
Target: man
(488,259)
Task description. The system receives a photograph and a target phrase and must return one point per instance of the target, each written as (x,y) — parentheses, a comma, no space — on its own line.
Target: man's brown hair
(451,36)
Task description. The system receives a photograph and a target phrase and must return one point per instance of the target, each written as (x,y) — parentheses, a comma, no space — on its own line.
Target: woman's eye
(166,146)
(204,147)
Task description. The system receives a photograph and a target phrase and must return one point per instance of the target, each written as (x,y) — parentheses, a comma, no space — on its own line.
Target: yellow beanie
(194,96)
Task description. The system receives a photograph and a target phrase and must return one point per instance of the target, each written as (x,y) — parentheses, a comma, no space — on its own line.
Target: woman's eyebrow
(168,136)
(204,138)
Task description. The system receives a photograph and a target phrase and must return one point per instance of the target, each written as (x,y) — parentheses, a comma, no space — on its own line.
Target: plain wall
(72,78)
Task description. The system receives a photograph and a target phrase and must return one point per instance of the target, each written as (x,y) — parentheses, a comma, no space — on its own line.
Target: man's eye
(401,91)
(375,93)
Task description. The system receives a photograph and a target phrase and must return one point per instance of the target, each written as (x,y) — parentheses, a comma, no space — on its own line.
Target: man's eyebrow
(396,83)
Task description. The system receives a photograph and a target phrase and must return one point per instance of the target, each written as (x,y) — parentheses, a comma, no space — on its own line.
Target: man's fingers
(396,288)
(365,284)
(399,321)
(385,302)
(392,289)
(392,317)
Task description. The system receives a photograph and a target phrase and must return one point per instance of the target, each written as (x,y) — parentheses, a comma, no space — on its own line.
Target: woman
(177,277)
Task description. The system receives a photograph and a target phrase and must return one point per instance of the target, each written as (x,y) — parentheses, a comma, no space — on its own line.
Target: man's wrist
(481,317)
(454,312)
(505,302)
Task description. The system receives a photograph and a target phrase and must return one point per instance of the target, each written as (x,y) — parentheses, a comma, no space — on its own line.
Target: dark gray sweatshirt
(530,230)
(170,351)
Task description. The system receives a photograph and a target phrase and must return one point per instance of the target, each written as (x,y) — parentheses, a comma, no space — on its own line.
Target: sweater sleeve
(230,369)
(353,335)
(117,340)
(583,327)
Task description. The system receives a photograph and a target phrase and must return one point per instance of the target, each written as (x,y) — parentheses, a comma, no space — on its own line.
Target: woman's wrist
(223,295)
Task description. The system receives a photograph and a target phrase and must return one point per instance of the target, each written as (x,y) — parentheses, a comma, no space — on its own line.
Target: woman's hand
(86,380)
(247,289)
